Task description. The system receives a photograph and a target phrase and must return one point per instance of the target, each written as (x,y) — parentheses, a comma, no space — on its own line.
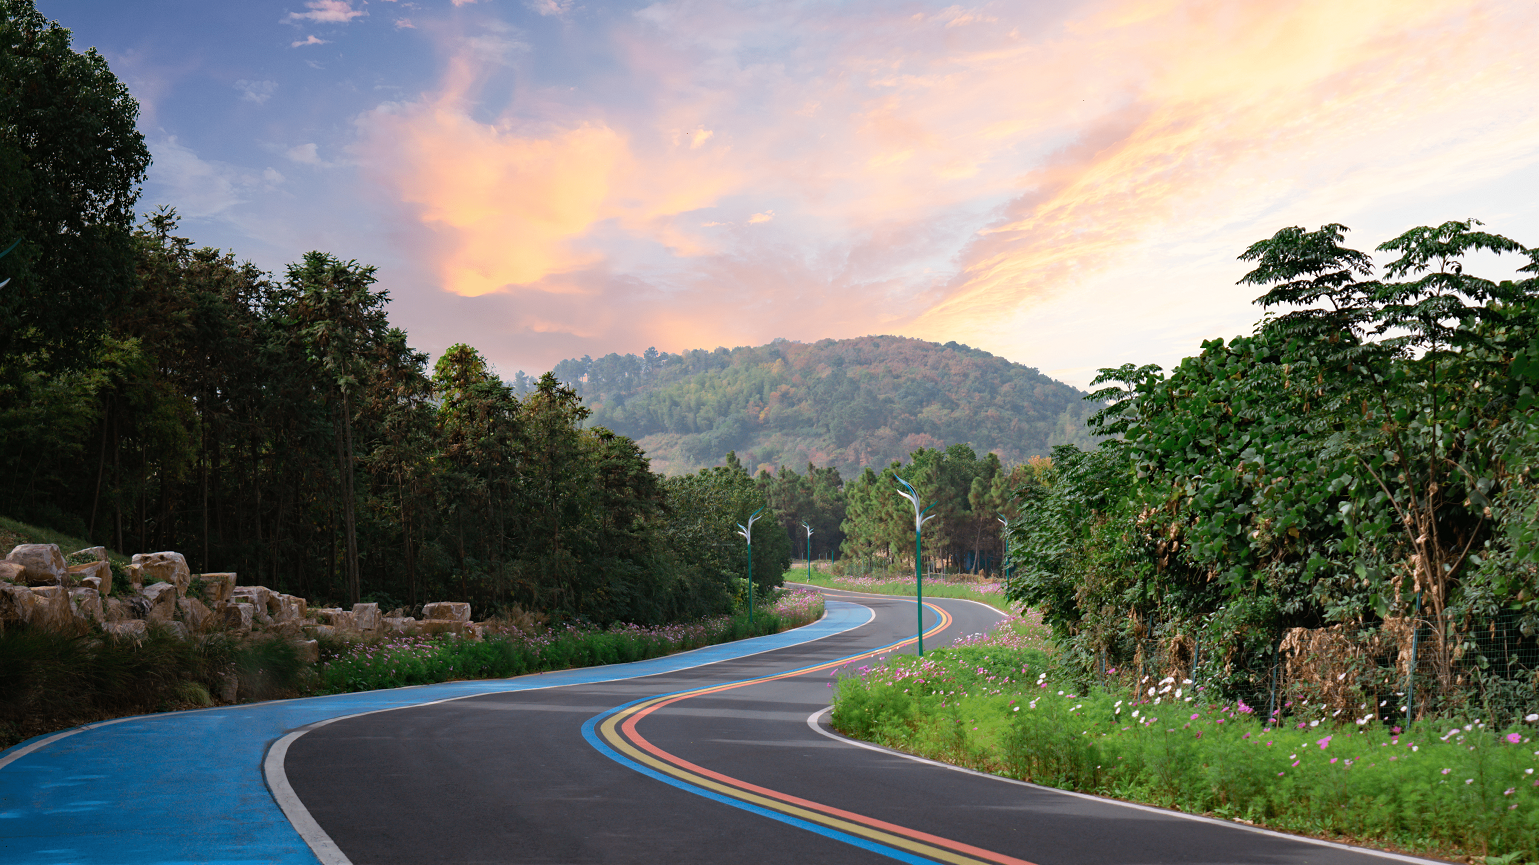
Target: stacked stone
(39,587)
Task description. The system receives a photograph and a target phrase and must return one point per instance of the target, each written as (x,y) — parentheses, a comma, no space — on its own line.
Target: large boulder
(337,618)
(162,598)
(165,567)
(17,604)
(398,624)
(97,553)
(42,564)
(237,617)
(11,572)
(309,651)
(216,588)
(292,608)
(366,617)
(120,609)
(448,626)
(264,599)
(86,604)
(451,611)
(95,575)
(52,610)
(197,616)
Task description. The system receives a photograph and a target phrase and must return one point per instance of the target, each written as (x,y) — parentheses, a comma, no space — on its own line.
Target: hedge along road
(190,786)
(728,762)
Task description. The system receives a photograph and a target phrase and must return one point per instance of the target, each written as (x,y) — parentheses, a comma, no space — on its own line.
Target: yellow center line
(867,827)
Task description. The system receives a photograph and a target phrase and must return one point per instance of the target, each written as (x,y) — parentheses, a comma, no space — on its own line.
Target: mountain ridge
(847,403)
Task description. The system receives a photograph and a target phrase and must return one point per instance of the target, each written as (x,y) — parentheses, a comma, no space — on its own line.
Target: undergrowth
(996,704)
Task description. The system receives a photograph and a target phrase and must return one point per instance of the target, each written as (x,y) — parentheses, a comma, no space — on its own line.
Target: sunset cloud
(701,172)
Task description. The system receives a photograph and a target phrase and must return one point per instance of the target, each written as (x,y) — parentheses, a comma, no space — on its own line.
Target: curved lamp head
(747,531)
(913,498)
(807,527)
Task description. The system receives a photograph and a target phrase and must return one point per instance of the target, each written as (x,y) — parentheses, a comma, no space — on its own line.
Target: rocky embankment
(42,587)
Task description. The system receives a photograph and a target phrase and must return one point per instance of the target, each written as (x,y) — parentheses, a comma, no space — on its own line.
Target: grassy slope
(13,532)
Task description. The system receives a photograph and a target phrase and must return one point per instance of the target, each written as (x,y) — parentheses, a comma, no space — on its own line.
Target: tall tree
(339,320)
(71,161)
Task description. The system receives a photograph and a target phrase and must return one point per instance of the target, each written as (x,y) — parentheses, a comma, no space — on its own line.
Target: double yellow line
(619,731)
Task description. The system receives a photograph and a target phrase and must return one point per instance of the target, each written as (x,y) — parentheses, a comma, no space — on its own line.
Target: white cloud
(549,7)
(757,218)
(256,91)
(310,40)
(404,24)
(304,153)
(194,186)
(328,11)
(272,176)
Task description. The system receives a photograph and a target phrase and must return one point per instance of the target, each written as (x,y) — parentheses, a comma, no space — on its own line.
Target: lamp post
(1005,568)
(809,550)
(919,520)
(747,533)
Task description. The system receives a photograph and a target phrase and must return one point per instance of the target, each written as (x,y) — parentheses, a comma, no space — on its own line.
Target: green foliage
(1354,455)
(71,161)
(967,494)
(838,403)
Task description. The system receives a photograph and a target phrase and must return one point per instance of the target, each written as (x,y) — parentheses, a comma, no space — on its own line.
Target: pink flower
(1324,743)
(1514,738)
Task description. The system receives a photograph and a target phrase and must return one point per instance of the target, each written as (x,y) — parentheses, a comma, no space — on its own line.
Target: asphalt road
(718,763)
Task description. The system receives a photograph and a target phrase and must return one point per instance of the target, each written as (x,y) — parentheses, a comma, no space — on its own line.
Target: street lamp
(809,550)
(1006,567)
(747,533)
(919,520)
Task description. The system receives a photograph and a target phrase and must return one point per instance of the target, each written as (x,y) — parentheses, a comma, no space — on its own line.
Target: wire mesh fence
(1415,667)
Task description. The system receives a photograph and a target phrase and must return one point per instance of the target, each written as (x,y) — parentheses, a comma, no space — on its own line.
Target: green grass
(999,704)
(13,532)
(904,586)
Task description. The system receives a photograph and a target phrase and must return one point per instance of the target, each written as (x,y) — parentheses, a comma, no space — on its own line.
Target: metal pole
(919,589)
(809,550)
(1271,708)
(1410,679)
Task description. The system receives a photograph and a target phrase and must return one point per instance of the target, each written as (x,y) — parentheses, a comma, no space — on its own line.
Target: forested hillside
(842,403)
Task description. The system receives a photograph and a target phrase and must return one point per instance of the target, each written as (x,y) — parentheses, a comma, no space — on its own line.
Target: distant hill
(846,403)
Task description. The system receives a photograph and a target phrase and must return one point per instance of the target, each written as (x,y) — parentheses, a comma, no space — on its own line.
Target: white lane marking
(42,743)
(812,721)
(321,844)
(299,816)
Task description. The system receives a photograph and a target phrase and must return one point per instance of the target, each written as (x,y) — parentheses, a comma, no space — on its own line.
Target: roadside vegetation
(1298,583)
(1000,704)
(51,681)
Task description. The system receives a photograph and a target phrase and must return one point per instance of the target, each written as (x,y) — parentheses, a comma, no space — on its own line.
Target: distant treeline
(846,404)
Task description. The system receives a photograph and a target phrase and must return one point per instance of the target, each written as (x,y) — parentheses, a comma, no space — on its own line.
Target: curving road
(726,762)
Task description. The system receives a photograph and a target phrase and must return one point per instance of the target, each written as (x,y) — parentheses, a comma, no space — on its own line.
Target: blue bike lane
(188,786)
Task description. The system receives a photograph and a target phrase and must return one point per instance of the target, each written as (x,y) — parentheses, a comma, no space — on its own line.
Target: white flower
(1135,713)
(1151,692)
(1531,718)
(1178,692)
(1314,723)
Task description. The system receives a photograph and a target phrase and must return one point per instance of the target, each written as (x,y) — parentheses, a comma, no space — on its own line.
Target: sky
(1065,184)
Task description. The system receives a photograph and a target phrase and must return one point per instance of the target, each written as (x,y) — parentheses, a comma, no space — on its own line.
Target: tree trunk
(349,525)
